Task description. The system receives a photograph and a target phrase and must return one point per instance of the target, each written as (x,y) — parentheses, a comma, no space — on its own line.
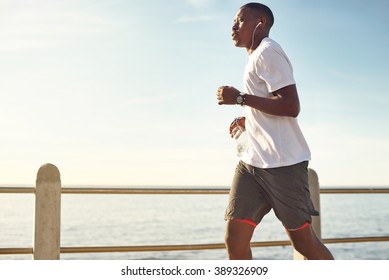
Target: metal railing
(47,216)
(159,191)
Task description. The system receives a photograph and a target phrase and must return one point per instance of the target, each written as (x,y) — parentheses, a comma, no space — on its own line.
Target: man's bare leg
(238,237)
(306,243)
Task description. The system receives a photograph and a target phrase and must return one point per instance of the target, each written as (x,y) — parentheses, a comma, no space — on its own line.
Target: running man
(273,172)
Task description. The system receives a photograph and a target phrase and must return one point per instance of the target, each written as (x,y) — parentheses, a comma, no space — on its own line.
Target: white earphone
(252,36)
(258,25)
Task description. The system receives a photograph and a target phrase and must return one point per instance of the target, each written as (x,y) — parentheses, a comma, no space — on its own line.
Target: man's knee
(236,249)
(237,239)
(308,244)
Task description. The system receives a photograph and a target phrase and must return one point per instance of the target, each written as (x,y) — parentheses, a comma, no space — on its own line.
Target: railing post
(47,213)
(314,189)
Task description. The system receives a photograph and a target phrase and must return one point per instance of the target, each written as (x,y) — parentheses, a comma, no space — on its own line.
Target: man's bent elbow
(293,111)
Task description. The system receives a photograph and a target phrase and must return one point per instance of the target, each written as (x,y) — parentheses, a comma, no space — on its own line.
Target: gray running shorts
(255,191)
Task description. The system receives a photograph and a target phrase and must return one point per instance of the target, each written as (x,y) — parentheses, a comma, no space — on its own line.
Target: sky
(117,92)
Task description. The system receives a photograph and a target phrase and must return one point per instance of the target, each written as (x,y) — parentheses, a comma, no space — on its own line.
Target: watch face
(239,99)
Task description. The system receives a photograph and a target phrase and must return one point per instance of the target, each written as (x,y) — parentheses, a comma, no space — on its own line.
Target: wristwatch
(241,98)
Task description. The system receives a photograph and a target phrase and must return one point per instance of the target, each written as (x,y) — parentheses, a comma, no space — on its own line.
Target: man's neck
(256,44)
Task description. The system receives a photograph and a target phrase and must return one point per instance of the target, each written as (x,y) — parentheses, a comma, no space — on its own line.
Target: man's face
(242,30)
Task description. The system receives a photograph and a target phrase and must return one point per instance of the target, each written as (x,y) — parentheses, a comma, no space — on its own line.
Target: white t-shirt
(273,141)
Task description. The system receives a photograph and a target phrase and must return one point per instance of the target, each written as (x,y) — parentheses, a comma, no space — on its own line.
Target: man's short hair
(262,10)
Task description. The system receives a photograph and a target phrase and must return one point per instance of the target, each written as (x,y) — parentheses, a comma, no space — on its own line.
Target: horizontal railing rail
(94,190)
(186,247)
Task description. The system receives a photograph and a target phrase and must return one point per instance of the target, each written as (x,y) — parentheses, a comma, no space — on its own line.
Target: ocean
(129,220)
